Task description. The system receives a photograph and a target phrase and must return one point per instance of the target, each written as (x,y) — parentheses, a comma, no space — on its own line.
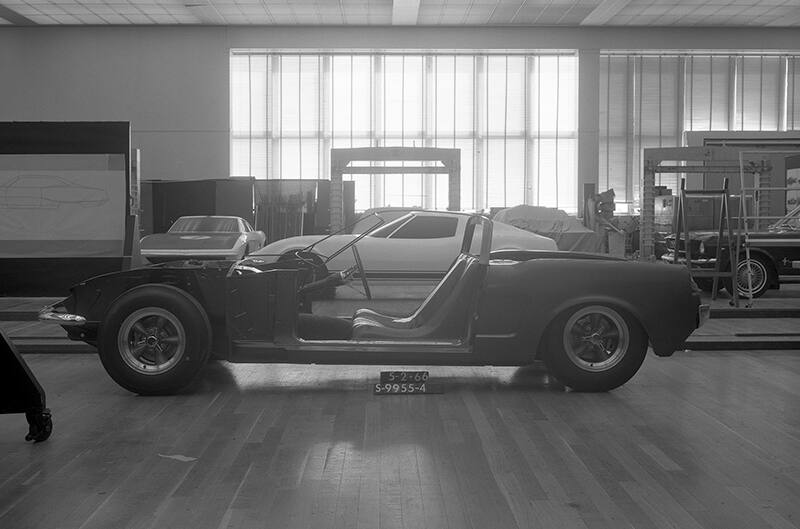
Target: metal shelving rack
(680,225)
(761,195)
(707,160)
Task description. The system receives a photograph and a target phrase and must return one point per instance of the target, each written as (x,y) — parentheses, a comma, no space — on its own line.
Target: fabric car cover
(567,231)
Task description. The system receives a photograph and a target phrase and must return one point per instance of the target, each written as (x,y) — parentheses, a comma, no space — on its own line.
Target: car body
(366,219)
(417,244)
(203,237)
(589,317)
(32,191)
(774,252)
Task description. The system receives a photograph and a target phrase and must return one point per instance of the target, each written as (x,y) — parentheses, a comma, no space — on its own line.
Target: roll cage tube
(381,222)
(486,237)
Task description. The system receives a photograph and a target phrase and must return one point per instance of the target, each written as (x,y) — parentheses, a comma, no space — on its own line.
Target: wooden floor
(697,440)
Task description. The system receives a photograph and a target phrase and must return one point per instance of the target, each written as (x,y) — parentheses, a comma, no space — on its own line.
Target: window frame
(423,217)
(500,166)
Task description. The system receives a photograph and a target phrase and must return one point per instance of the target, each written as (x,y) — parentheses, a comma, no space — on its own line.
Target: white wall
(171,83)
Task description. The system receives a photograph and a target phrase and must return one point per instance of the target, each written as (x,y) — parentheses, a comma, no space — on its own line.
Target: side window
(388,228)
(247,226)
(423,227)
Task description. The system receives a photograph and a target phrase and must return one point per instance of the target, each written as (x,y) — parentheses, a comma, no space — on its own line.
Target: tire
(763,276)
(577,362)
(174,337)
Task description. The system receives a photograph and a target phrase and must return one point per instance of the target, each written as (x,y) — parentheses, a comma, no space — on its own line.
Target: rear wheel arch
(611,352)
(620,305)
(757,252)
(766,256)
(763,259)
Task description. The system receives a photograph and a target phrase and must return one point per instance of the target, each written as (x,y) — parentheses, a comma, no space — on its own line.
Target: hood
(282,246)
(190,241)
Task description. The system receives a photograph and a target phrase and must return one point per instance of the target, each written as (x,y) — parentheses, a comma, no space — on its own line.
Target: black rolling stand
(20,392)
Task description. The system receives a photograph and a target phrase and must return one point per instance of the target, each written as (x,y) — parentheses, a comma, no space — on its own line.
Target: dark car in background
(774,252)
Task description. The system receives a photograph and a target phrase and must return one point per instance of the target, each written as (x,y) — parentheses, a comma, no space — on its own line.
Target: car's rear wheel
(154,340)
(761,275)
(594,347)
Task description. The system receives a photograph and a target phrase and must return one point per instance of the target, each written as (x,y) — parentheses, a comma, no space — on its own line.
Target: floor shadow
(310,379)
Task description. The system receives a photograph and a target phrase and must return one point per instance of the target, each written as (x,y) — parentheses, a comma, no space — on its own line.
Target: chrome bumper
(225,252)
(703,314)
(51,315)
(670,258)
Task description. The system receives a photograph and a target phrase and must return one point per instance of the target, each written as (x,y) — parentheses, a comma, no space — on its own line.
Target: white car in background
(420,244)
(203,237)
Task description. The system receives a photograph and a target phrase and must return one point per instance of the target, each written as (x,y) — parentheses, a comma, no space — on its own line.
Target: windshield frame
(199,219)
(792,215)
(327,259)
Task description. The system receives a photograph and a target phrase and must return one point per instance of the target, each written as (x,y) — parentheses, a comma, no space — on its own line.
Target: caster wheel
(40,425)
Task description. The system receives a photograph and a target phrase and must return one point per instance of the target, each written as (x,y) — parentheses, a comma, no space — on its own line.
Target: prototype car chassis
(156,327)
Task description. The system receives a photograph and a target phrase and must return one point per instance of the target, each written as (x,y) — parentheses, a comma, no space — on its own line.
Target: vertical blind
(514,117)
(651,100)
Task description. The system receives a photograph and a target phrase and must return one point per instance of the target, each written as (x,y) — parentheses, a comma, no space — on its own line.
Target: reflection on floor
(697,440)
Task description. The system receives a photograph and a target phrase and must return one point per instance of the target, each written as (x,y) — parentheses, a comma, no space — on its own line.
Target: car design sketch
(31,191)
(589,317)
(203,237)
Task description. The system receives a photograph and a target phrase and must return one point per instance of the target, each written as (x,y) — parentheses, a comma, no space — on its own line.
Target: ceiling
(784,13)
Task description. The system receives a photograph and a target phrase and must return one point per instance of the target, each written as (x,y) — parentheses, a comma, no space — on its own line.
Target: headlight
(242,269)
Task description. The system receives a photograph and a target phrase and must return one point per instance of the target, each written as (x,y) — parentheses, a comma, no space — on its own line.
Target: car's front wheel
(154,340)
(594,347)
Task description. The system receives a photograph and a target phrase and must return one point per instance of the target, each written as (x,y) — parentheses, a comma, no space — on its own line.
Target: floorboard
(699,440)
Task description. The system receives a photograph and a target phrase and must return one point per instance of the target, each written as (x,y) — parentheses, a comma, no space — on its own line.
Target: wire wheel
(151,340)
(596,338)
(758,276)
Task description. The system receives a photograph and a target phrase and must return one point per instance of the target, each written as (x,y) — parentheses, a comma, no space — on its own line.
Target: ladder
(761,195)
(681,228)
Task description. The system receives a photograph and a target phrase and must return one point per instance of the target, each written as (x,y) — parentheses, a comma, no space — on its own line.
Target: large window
(651,100)
(514,117)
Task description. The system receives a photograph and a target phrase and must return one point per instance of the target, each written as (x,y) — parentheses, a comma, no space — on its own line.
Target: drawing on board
(65,205)
(40,191)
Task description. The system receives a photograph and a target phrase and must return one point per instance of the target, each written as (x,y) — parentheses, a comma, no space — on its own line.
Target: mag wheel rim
(758,275)
(596,338)
(151,341)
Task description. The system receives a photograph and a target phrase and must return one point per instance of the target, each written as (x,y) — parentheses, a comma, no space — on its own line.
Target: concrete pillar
(588,121)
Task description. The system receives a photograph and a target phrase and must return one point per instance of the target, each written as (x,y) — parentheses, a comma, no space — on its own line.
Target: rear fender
(574,303)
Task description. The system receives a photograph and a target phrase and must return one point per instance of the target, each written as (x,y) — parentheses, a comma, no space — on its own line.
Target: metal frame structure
(708,160)
(758,192)
(681,226)
(342,163)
